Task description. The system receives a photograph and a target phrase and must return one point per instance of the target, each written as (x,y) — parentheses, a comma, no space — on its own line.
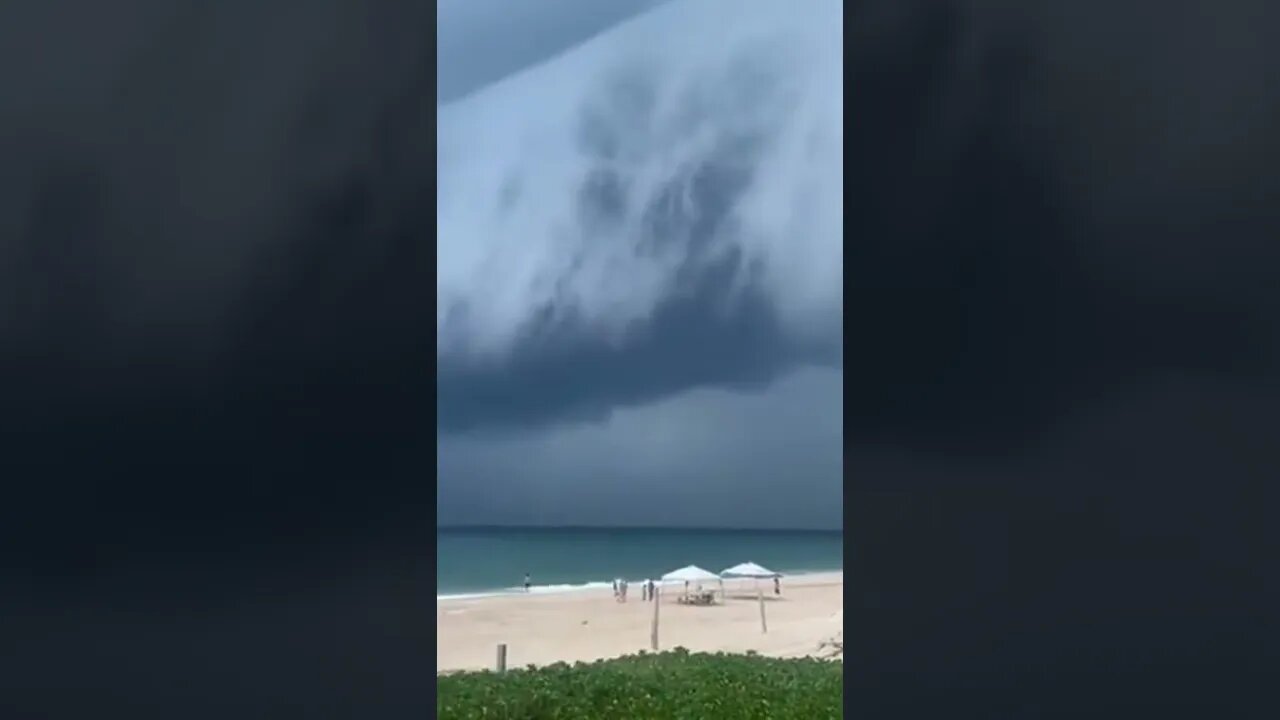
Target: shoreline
(594,586)
(589,624)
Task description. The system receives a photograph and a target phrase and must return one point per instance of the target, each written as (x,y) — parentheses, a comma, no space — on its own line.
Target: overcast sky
(639,263)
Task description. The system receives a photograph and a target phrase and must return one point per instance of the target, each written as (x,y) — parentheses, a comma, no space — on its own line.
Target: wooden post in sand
(764,628)
(653,631)
(502,658)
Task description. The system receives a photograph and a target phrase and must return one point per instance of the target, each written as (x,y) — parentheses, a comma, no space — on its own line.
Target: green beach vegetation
(675,684)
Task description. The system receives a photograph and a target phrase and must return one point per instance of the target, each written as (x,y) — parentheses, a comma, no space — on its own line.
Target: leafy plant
(676,684)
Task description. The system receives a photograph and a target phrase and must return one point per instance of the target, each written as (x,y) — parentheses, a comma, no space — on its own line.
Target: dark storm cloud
(565,375)
(618,226)
(213,264)
(639,277)
(706,457)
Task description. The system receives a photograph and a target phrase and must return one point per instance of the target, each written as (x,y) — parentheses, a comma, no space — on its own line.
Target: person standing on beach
(777,586)
(526,582)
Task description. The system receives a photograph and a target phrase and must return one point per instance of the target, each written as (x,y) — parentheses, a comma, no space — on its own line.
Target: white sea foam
(556,589)
(533,590)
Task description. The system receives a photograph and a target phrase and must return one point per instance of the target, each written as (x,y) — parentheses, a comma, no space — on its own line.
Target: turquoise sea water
(484,561)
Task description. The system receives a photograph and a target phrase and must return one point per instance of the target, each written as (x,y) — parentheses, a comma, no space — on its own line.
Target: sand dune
(542,629)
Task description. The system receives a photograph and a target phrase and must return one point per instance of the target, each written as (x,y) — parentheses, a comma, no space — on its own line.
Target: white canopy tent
(692,574)
(750,570)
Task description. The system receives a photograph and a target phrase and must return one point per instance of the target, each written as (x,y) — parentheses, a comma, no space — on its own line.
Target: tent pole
(653,632)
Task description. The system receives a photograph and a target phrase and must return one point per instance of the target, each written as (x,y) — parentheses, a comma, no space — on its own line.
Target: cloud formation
(644,214)
(707,457)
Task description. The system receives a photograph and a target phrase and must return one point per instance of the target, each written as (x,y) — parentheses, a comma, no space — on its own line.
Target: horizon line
(491,526)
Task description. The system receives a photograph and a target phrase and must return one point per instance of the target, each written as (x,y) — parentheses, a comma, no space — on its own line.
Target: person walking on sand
(777,586)
(526,582)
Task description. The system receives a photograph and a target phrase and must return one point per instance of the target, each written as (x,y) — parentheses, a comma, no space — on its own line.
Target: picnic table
(706,597)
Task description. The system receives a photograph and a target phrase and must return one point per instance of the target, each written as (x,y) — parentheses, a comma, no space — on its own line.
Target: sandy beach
(589,625)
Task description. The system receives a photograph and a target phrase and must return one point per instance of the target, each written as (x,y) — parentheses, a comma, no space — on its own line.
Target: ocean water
(484,561)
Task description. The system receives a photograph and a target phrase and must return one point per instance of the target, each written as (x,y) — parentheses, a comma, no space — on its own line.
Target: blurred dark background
(215,358)
(1063,324)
